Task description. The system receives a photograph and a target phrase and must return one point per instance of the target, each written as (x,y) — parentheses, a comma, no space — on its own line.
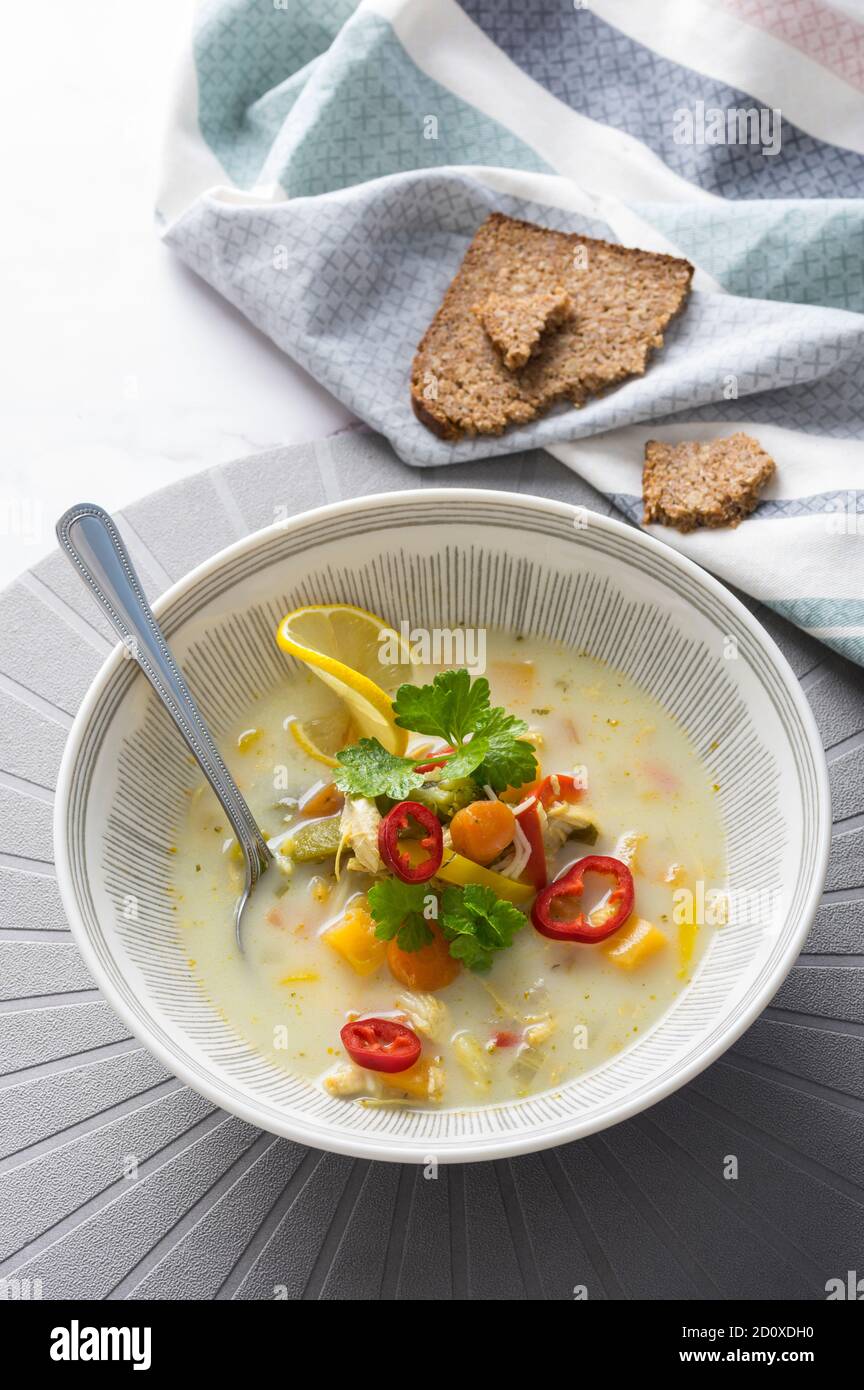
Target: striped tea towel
(329,161)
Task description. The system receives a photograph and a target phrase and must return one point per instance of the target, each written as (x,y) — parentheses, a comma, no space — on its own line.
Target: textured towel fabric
(329,162)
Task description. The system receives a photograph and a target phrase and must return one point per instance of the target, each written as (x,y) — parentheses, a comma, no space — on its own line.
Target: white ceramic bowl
(444,558)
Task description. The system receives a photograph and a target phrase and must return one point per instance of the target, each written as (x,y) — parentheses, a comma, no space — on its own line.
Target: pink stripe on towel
(831,38)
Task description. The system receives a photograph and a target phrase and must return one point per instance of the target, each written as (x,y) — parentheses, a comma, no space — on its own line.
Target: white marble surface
(120,370)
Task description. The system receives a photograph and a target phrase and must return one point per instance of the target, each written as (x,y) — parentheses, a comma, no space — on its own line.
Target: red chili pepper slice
(532,828)
(568,788)
(380,1044)
(397,861)
(430,767)
(570,885)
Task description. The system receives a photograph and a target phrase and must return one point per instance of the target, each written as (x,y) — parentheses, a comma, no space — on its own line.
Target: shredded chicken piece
(359,828)
(473,1059)
(539,1030)
(627,847)
(540,1023)
(435,1088)
(513,866)
(427,1014)
(560,819)
(347,1080)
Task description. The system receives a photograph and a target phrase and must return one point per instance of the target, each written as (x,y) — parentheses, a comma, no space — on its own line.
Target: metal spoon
(90,540)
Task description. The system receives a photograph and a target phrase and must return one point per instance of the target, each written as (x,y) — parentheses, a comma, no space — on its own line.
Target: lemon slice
(322,737)
(359,656)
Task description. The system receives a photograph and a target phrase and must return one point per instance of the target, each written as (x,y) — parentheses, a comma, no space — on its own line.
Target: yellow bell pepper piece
(686,945)
(460,871)
(635,943)
(355,941)
(688,930)
(423,1081)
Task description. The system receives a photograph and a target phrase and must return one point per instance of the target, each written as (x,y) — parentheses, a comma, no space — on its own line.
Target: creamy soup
(547,1010)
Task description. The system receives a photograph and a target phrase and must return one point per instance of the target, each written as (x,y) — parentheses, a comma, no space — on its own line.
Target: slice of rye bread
(623,300)
(516,324)
(690,484)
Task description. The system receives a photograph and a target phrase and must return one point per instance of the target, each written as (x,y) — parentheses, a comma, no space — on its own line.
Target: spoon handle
(89,538)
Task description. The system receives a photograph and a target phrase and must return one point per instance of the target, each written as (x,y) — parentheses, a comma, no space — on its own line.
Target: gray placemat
(116,1181)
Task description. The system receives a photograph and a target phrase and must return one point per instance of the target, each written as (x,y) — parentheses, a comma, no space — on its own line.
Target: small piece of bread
(624,300)
(712,484)
(515,324)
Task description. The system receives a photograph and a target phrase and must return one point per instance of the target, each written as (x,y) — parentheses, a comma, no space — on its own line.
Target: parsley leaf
(509,760)
(464,760)
(477,923)
(397,910)
(367,769)
(453,707)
